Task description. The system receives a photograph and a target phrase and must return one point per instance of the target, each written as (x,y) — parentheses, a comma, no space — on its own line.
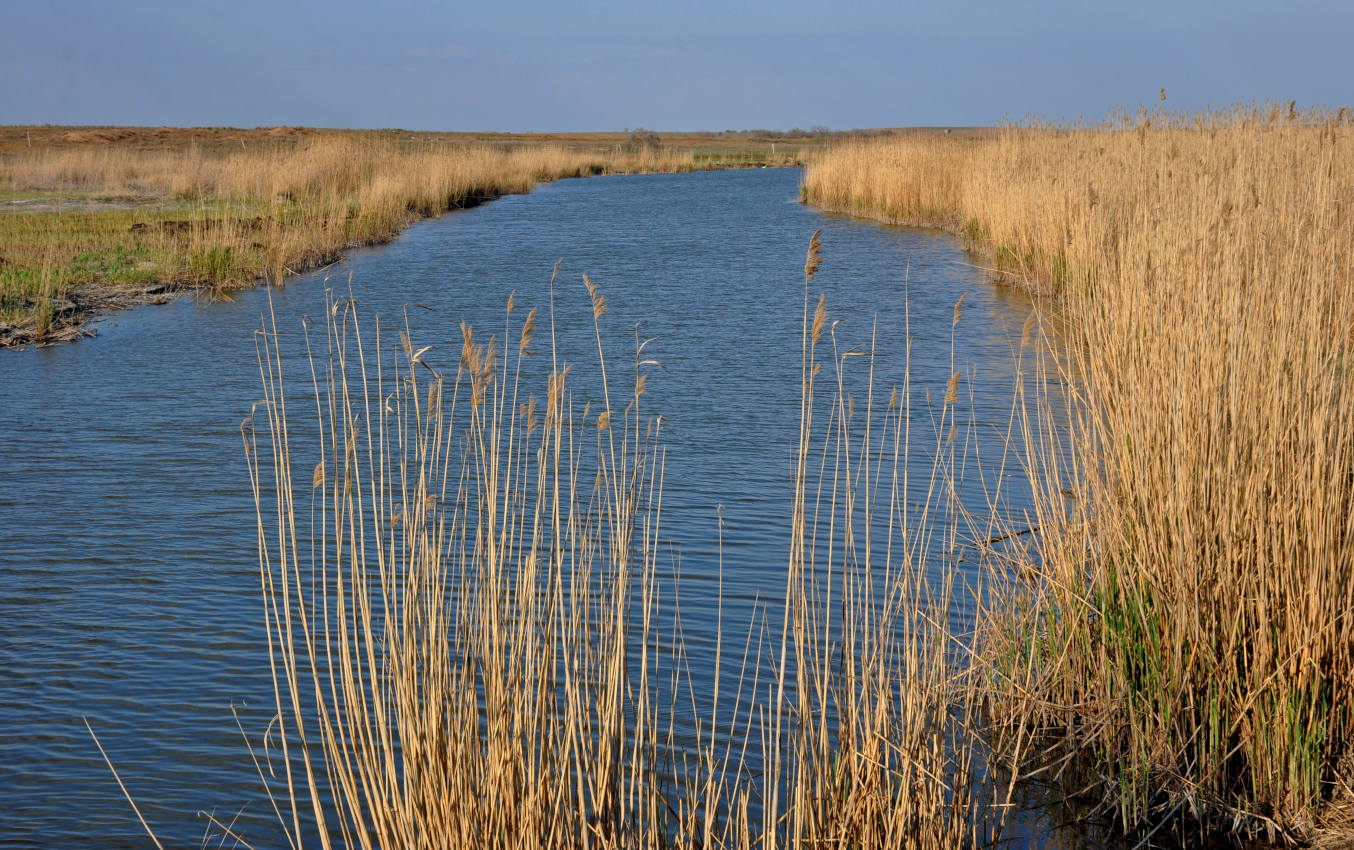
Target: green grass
(46,254)
(122,264)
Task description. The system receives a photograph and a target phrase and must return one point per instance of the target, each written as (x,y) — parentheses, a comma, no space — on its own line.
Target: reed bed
(120,222)
(1177,645)
(465,613)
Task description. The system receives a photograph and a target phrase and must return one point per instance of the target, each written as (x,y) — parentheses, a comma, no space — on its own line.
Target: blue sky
(523,65)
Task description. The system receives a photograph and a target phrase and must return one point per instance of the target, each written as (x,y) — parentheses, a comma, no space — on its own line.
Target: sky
(529,65)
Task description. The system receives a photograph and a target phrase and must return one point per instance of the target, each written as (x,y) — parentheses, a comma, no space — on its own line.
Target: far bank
(96,219)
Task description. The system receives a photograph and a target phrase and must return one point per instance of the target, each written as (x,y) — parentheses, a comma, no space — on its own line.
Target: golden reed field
(1177,644)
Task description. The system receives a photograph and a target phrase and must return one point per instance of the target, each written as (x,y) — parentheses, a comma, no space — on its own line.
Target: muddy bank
(72,313)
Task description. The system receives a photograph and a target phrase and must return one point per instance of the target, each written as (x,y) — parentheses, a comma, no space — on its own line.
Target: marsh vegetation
(470,636)
(1176,645)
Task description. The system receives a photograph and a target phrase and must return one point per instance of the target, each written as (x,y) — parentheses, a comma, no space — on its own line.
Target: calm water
(128,584)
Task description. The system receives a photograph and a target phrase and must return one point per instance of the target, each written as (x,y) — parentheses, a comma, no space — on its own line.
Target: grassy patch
(119,264)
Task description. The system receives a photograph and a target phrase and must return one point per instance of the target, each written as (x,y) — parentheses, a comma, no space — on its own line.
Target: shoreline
(952,225)
(83,305)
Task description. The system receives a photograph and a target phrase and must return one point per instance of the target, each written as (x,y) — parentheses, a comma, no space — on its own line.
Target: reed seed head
(815,256)
(528,334)
(598,301)
(467,345)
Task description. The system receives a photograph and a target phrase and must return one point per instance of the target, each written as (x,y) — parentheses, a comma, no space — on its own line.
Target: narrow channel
(129,591)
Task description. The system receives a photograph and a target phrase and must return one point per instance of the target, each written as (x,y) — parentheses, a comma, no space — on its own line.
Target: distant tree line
(817,131)
(639,138)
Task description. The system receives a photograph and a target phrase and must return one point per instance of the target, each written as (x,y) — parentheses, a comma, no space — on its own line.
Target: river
(129,591)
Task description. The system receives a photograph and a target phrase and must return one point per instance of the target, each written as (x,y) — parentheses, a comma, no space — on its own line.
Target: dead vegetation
(1178,643)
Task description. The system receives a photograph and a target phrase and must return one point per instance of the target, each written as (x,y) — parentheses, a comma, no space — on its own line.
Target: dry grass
(1184,622)
(464,618)
(121,222)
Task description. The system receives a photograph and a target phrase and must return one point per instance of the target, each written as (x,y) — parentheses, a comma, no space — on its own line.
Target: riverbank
(1179,641)
(94,219)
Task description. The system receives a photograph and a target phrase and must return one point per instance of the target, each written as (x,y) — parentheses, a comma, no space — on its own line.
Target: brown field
(1177,645)
(753,143)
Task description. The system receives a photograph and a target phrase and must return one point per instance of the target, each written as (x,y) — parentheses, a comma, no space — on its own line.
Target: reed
(464,614)
(1177,643)
(123,221)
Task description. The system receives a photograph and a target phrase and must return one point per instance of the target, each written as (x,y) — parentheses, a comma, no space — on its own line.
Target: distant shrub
(642,139)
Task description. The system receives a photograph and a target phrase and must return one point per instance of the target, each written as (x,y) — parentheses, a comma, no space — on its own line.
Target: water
(128,582)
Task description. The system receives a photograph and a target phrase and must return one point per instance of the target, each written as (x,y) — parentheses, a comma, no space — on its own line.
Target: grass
(465,601)
(222,216)
(1177,644)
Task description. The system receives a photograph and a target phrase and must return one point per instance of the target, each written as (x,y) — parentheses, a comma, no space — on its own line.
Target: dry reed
(1180,642)
(463,614)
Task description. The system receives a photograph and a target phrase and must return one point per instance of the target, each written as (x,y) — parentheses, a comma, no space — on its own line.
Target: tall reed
(1184,623)
(456,621)
(463,616)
